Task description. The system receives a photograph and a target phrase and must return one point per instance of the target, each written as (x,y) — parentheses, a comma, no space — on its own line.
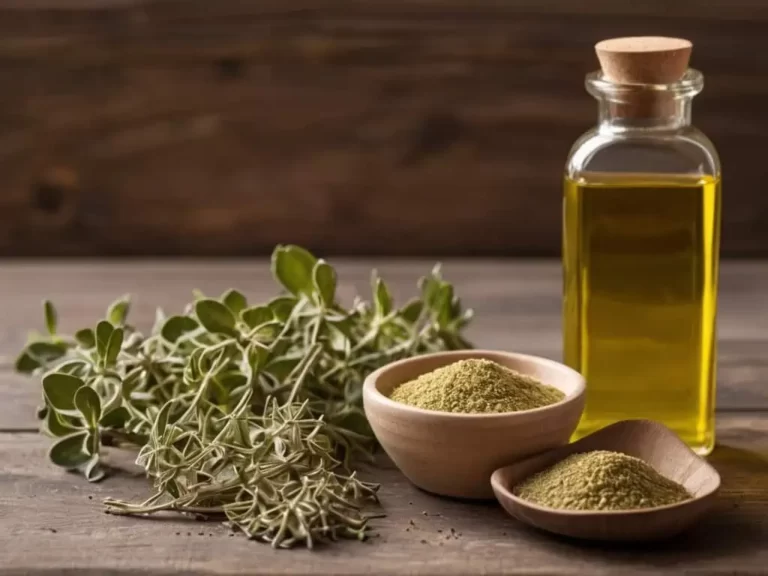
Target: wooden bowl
(644,439)
(455,454)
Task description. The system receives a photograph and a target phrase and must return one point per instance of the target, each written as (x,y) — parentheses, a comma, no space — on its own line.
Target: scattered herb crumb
(412,523)
(178,533)
(425,513)
(201,533)
(231,535)
(423,541)
(440,530)
(90,497)
(53,530)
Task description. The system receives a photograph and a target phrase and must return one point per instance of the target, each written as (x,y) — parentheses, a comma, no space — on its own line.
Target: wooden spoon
(644,439)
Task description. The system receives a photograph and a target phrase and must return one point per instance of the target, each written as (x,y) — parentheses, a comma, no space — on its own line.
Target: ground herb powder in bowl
(476,386)
(601,480)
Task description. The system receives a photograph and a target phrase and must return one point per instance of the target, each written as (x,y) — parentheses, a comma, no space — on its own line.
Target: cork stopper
(645,60)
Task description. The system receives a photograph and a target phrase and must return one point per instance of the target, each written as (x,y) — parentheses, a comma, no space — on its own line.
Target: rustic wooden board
(52,521)
(415,126)
(517,307)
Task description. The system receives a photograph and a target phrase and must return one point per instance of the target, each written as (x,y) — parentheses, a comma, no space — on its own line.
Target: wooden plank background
(400,127)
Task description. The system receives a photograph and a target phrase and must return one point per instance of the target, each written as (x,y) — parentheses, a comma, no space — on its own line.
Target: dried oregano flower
(250,413)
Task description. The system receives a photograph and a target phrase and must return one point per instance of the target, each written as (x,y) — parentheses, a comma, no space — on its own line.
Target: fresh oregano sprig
(252,413)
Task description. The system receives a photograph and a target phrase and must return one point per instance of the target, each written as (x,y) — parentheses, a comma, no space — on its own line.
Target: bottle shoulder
(685,150)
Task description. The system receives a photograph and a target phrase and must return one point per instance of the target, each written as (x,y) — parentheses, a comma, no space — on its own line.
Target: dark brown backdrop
(352,126)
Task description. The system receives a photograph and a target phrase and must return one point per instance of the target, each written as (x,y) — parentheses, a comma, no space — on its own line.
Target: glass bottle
(641,230)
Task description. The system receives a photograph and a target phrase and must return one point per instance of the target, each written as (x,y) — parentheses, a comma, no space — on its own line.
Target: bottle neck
(643,112)
(624,107)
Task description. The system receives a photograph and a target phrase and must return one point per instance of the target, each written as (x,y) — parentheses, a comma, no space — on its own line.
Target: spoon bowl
(644,439)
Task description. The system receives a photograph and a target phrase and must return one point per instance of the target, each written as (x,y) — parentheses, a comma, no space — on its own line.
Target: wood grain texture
(516,303)
(378,127)
(36,500)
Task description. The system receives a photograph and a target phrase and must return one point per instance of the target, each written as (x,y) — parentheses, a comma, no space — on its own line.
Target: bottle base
(701,443)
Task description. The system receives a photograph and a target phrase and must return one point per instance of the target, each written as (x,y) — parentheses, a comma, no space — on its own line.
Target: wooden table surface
(52,522)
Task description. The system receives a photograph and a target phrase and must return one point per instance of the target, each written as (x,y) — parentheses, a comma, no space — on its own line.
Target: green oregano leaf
(412,310)
(76,367)
(215,317)
(60,390)
(256,316)
(93,470)
(267,332)
(382,297)
(116,418)
(235,301)
(86,338)
(47,351)
(25,363)
(430,287)
(176,326)
(50,317)
(69,452)
(103,332)
(292,266)
(113,347)
(257,357)
(118,310)
(282,307)
(55,426)
(38,355)
(282,367)
(88,403)
(324,279)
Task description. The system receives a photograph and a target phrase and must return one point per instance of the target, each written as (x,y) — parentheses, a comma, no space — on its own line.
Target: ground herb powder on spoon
(476,386)
(601,480)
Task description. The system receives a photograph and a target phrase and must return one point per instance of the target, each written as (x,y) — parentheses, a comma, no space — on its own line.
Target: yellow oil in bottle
(640,282)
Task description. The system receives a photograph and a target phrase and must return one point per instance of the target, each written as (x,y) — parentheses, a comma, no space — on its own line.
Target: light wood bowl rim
(370,387)
(500,486)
